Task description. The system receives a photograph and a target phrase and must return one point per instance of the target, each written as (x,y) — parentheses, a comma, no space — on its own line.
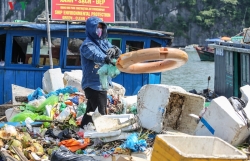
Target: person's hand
(117,53)
(111,52)
(108,60)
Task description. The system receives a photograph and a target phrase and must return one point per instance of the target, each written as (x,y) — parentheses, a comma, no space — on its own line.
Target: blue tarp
(214,40)
(54,27)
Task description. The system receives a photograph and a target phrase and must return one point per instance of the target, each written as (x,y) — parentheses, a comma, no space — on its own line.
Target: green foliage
(233,2)
(37,11)
(204,13)
(28,1)
(152,2)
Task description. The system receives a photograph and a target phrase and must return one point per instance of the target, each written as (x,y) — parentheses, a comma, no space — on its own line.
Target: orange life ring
(136,61)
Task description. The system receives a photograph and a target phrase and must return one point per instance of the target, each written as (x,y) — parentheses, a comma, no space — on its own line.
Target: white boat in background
(190,47)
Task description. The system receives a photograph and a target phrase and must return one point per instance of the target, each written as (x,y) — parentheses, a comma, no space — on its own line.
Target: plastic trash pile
(47,128)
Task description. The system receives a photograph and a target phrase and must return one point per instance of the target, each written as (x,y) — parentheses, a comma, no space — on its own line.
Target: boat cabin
(231,68)
(24,53)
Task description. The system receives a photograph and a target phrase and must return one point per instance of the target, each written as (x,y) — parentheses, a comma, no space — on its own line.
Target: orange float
(163,59)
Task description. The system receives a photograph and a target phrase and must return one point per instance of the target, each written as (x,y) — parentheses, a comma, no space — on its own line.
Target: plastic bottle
(63,115)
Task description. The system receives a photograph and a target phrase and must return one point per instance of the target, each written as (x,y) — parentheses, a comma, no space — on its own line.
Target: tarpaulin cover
(54,27)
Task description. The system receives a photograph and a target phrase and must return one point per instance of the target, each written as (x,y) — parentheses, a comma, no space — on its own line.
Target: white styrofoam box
(245,91)
(73,78)
(95,134)
(123,118)
(52,80)
(122,136)
(11,112)
(153,100)
(223,122)
(19,91)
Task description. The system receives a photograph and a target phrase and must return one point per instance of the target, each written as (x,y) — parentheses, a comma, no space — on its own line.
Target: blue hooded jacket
(93,52)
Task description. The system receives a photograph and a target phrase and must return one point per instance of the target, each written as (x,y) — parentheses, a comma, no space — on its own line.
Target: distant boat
(190,47)
(205,55)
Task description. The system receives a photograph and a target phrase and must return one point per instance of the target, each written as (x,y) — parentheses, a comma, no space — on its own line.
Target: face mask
(99,32)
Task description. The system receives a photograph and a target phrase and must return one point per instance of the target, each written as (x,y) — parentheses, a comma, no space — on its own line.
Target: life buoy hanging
(139,61)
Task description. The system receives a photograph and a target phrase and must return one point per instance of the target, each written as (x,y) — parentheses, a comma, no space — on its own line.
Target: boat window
(2,49)
(116,42)
(73,53)
(154,44)
(22,50)
(134,45)
(245,78)
(44,52)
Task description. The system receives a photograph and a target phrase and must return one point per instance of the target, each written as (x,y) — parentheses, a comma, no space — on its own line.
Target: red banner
(81,10)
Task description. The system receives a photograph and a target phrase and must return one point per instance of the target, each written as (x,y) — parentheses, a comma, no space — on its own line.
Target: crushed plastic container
(194,148)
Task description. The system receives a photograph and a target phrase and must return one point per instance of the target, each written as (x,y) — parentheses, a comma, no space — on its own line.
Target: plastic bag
(81,109)
(37,102)
(65,90)
(134,144)
(28,122)
(52,100)
(133,109)
(44,117)
(106,72)
(63,154)
(36,94)
(10,130)
(23,115)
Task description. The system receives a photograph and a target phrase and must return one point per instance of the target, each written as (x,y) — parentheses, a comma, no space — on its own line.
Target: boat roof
(54,27)
(214,40)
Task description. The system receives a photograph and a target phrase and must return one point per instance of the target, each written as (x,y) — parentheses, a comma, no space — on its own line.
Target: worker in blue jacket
(95,51)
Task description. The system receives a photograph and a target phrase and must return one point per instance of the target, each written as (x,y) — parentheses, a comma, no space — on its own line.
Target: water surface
(193,75)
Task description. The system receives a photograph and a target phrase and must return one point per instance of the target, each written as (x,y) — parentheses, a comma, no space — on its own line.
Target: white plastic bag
(10,130)
(28,122)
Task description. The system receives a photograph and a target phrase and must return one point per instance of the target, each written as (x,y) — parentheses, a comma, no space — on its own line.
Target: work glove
(117,53)
(113,52)
(108,60)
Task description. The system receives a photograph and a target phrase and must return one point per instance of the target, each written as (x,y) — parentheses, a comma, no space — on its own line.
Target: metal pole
(48,33)
(67,29)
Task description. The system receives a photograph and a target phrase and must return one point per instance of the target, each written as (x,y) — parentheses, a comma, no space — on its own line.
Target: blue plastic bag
(65,90)
(134,144)
(36,94)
